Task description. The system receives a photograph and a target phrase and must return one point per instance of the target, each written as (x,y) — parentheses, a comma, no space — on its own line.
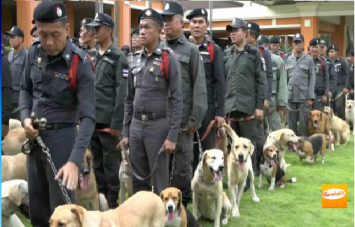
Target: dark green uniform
(351,76)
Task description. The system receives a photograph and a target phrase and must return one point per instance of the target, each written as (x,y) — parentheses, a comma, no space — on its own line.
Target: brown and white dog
(339,128)
(175,210)
(318,122)
(272,170)
(349,113)
(125,176)
(209,200)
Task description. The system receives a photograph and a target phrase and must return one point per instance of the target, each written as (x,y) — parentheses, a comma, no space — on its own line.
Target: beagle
(175,211)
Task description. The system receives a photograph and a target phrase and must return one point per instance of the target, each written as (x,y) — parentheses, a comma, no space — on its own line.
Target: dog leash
(125,149)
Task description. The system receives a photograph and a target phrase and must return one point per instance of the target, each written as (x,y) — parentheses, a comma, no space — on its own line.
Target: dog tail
(292,180)
(103,205)
(230,131)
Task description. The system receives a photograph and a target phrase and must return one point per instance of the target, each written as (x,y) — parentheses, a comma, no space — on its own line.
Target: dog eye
(236,147)
(174,198)
(61,224)
(245,146)
(214,158)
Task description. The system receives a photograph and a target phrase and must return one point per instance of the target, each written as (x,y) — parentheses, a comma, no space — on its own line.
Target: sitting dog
(125,175)
(311,147)
(13,167)
(143,209)
(14,194)
(86,192)
(282,139)
(208,197)
(12,143)
(272,170)
(175,210)
(318,122)
(349,113)
(339,128)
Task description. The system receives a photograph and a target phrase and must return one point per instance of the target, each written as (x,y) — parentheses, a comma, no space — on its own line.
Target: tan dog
(349,113)
(175,211)
(222,143)
(208,197)
(339,128)
(12,143)
(13,194)
(318,122)
(143,209)
(125,175)
(282,139)
(272,170)
(86,192)
(14,124)
(13,167)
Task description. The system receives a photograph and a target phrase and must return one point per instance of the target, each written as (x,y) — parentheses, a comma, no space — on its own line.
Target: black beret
(236,23)
(275,39)
(298,37)
(49,12)
(151,14)
(197,13)
(125,47)
(351,53)
(263,39)
(333,47)
(314,41)
(15,31)
(254,26)
(322,42)
(86,21)
(102,19)
(33,30)
(172,8)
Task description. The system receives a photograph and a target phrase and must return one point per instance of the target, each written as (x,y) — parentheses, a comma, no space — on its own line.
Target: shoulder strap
(282,55)
(322,65)
(261,51)
(211,51)
(73,72)
(164,66)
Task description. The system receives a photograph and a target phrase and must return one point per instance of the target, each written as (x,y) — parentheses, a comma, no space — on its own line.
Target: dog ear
(251,148)
(15,194)
(179,206)
(320,116)
(204,157)
(162,195)
(282,137)
(265,150)
(79,213)
(310,115)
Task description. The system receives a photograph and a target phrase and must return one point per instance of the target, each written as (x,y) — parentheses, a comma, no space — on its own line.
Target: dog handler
(48,90)
(146,126)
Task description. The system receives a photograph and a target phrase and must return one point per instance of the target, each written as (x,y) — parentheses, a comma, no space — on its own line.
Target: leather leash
(208,130)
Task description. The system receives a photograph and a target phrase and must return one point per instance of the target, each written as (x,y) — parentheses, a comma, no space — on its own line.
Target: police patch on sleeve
(125,70)
(263,64)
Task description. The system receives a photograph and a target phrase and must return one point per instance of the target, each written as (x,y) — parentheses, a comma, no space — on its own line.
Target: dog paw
(235,213)
(271,188)
(256,199)
(282,186)
(224,221)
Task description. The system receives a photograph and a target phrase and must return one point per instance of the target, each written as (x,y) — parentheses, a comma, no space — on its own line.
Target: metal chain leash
(172,170)
(199,146)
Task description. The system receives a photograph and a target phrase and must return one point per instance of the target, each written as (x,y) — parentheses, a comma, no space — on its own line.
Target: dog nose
(170,208)
(240,156)
(315,121)
(274,156)
(86,170)
(221,168)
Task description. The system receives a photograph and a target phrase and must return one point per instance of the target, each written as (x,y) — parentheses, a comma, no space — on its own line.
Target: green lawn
(299,204)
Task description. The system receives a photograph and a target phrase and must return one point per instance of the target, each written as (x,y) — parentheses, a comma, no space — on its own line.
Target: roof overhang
(190,5)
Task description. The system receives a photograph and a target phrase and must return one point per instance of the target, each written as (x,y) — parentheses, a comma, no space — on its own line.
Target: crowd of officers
(161,96)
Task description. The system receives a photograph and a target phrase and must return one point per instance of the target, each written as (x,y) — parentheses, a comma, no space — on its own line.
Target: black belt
(58,126)
(149,116)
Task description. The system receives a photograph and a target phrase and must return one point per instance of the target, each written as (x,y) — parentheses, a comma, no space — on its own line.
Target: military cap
(125,48)
(172,8)
(314,42)
(322,42)
(298,37)
(254,26)
(102,19)
(333,47)
(351,53)
(236,23)
(86,21)
(15,31)
(151,14)
(49,12)
(197,13)
(275,39)
(263,39)
(33,30)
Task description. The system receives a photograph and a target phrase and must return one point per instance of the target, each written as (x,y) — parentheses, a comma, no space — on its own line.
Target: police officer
(50,92)
(342,71)
(279,90)
(351,74)
(6,95)
(301,85)
(194,100)
(34,34)
(246,85)
(322,75)
(87,35)
(215,79)
(136,41)
(332,77)
(146,125)
(111,72)
(16,57)
(275,46)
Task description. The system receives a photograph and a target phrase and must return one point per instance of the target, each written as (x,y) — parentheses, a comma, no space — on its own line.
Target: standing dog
(272,170)
(208,197)
(125,175)
(282,139)
(318,122)
(339,127)
(13,167)
(86,192)
(349,113)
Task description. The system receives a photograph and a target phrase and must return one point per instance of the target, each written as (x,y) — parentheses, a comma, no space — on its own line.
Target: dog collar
(203,180)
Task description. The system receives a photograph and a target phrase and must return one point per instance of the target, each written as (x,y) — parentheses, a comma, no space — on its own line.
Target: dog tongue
(126,162)
(218,176)
(294,147)
(315,125)
(84,182)
(240,164)
(170,216)
(272,162)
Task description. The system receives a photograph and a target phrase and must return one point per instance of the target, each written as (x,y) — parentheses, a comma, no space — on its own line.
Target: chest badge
(62,76)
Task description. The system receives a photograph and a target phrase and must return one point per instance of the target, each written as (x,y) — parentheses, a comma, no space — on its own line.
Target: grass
(300,203)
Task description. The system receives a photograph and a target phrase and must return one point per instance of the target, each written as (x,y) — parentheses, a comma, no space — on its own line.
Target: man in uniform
(136,41)
(111,72)
(279,90)
(275,46)
(146,125)
(87,35)
(301,84)
(215,80)
(34,34)
(51,92)
(330,64)
(351,74)
(6,96)
(246,85)
(342,71)
(194,99)
(322,75)
(16,58)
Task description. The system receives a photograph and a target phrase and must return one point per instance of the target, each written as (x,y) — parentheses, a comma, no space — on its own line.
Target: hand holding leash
(31,132)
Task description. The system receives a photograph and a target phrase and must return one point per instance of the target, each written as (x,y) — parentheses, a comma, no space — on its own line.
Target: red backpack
(73,72)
